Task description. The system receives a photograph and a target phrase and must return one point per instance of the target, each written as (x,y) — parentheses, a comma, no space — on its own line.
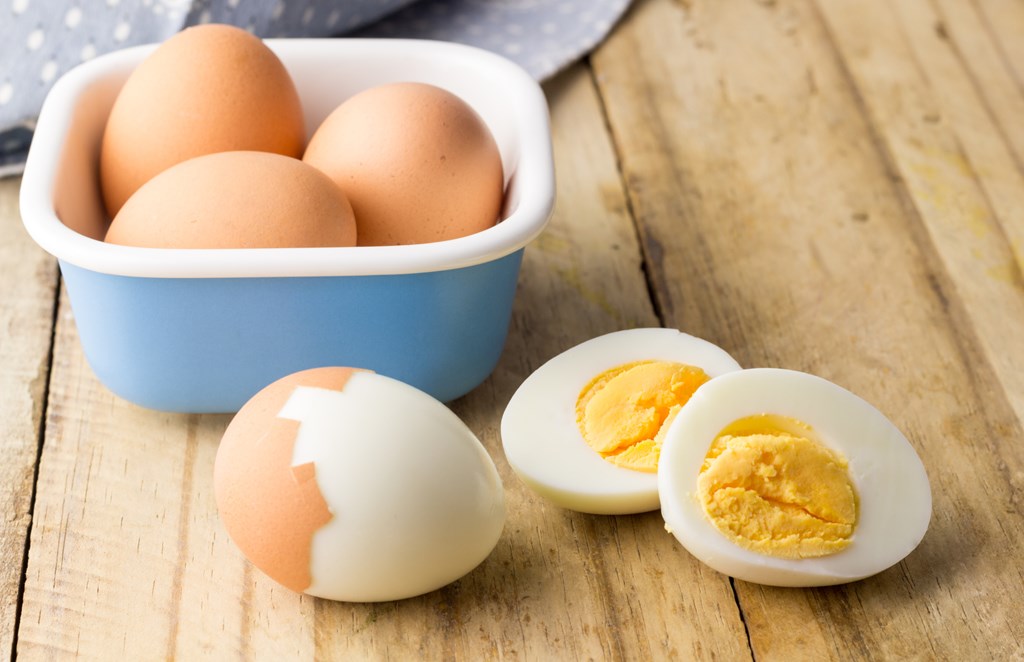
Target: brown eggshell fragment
(210,88)
(417,162)
(236,200)
(270,508)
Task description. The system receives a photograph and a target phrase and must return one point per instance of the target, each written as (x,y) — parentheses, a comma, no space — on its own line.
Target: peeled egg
(348,485)
(585,429)
(783,478)
(209,88)
(417,162)
(236,200)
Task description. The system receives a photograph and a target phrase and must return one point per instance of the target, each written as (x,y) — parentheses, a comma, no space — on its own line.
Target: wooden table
(830,186)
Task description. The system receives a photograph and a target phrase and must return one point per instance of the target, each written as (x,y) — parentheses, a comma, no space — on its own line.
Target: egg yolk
(624,412)
(771,487)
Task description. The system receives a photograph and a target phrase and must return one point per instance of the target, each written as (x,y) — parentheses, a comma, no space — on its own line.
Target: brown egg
(417,162)
(210,88)
(271,507)
(236,200)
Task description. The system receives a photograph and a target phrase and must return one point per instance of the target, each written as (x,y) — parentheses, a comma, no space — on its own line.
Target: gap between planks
(28,292)
(45,397)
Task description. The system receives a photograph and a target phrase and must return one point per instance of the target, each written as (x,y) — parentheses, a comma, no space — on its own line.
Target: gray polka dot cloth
(42,39)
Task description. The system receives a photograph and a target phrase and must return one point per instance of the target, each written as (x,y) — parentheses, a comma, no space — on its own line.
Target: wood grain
(768,172)
(821,185)
(949,150)
(28,282)
(1003,22)
(971,39)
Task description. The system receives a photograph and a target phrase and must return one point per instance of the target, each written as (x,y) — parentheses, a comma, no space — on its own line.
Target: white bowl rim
(535,178)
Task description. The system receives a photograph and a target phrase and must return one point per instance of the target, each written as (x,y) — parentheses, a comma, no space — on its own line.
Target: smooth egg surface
(348,485)
(821,487)
(236,200)
(210,88)
(541,429)
(418,163)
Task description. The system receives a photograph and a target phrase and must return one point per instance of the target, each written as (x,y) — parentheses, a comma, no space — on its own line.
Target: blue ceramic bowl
(194,330)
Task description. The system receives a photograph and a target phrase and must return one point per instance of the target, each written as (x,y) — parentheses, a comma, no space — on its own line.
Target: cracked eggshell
(348,485)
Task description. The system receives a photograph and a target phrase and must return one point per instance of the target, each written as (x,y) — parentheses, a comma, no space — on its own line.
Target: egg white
(894,496)
(543,443)
(416,501)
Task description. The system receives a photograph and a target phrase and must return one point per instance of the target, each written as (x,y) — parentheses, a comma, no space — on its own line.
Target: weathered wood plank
(951,152)
(28,285)
(1004,23)
(964,178)
(776,225)
(976,45)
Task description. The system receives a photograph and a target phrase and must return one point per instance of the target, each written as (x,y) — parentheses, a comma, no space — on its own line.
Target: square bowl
(202,330)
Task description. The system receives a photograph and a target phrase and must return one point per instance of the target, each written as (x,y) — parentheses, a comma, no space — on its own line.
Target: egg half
(786,479)
(585,429)
(348,485)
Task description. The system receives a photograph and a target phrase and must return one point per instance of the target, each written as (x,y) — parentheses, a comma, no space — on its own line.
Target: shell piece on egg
(543,442)
(892,488)
(385,494)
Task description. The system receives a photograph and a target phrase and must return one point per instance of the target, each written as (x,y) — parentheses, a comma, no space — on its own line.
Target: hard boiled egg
(349,485)
(585,429)
(783,478)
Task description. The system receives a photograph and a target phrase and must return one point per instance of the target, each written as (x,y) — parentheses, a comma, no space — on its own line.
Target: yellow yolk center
(771,487)
(624,412)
